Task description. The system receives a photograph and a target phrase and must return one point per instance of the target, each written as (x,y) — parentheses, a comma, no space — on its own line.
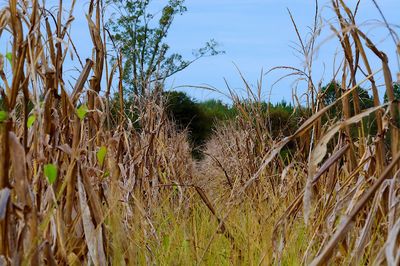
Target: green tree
(139,32)
(332,91)
(217,110)
(188,114)
(282,118)
(396,90)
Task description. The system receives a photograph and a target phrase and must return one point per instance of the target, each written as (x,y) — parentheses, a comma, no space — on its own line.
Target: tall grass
(81,183)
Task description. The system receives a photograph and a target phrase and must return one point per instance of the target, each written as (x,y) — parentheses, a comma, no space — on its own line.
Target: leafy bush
(217,110)
(201,118)
(187,114)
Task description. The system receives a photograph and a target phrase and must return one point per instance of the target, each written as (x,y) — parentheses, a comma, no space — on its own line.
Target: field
(82,183)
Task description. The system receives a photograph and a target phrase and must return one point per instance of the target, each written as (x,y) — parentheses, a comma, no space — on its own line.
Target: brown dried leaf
(347,221)
(19,170)
(93,235)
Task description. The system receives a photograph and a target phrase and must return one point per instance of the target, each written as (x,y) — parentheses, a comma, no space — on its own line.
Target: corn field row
(79,184)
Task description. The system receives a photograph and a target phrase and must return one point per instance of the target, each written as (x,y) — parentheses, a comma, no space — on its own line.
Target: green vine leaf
(101,155)
(31,120)
(3,116)
(9,57)
(50,171)
(82,111)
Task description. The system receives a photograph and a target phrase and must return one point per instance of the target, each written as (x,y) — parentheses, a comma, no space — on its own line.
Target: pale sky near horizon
(256,35)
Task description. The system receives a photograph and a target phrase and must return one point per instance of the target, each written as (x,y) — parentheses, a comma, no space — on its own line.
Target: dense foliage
(201,118)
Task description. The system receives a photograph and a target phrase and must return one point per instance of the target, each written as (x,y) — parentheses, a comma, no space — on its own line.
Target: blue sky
(256,35)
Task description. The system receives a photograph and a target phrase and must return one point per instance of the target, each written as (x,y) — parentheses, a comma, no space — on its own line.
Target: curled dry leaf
(93,235)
